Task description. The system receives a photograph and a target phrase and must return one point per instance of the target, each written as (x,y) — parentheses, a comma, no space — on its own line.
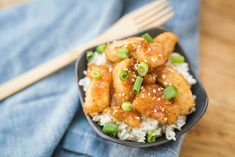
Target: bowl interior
(192,119)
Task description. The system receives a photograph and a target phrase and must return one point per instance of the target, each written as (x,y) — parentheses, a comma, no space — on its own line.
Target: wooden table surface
(214,135)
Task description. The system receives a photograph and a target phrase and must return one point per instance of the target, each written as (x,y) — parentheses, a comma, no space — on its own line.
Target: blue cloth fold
(46,119)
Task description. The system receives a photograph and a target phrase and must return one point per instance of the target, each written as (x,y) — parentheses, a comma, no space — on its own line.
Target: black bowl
(192,119)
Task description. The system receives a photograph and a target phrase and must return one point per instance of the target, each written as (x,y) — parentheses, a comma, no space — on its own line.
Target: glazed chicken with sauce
(184,99)
(98,94)
(151,102)
(122,89)
(131,118)
(154,53)
(151,99)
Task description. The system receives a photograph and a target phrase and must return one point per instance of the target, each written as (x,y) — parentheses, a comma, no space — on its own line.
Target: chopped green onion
(101,48)
(177,59)
(123,75)
(89,55)
(170,92)
(111,129)
(137,85)
(148,38)
(126,106)
(151,137)
(95,73)
(142,69)
(122,53)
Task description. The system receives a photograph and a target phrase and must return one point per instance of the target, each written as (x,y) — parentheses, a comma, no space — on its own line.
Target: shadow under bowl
(192,119)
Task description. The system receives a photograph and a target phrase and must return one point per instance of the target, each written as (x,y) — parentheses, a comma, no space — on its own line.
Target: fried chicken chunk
(150,77)
(139,49)
(123,88)
(168,40)
(131,118)
(151,102)
(98,93)
(167,75)
(154,54)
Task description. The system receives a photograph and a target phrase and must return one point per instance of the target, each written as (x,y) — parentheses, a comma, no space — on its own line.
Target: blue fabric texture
(46,119)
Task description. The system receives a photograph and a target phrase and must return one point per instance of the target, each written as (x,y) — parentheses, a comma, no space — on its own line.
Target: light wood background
(214,135)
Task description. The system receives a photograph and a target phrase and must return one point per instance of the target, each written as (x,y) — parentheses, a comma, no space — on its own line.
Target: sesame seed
(158,99)
(145,60)
(154,110)
(154,91)
(149,94)
(165,119)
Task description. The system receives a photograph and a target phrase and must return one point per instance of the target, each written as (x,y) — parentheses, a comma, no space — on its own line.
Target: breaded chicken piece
(150,53)
(123,89)
(167,75)
(139,49)
(151,102)
(112,49)
(98,93)
(131,118)
(168,40)
(150,77)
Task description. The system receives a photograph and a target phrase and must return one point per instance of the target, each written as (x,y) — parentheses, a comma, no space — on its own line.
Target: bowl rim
(132,143)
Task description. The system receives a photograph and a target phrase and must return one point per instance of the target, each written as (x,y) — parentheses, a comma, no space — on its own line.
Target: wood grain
(8,3)
(214,135)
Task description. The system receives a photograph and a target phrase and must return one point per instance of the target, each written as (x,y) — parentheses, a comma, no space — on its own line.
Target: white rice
(98,59)
(126,132)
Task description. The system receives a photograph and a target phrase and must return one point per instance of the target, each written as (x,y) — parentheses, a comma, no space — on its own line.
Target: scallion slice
(124,75)
(122,53)
(170,92)
(142,69)
(148,38)
(177,59)
(111,129)
(95,73)
(89,55)
(151,137)
(137,85)
(126,106)
(101,48)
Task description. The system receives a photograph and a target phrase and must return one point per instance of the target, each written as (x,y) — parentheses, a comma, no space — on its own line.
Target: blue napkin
(46,119)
